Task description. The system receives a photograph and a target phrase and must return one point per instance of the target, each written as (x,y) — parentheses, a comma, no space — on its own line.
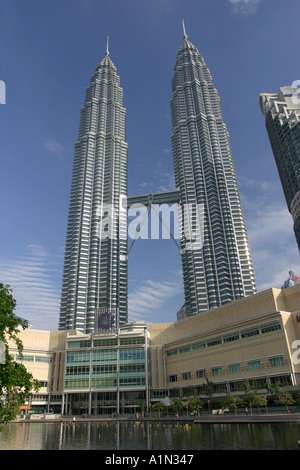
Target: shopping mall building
(255,338)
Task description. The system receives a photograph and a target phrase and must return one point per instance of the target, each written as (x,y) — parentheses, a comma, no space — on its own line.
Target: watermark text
(296,93)
(152,222)
(2,352)
(2,92)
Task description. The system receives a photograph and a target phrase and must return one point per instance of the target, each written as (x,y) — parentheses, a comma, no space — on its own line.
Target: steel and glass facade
(219,269)
(282,114)
(107,373)
(95,268)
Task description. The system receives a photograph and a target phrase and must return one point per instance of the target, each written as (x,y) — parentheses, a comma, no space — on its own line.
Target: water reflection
(135,435)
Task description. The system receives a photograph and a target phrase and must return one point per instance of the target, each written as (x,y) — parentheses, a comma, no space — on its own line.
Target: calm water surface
(149,436)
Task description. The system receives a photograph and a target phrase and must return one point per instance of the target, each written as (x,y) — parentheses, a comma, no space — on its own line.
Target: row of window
(253,365)
(274,326)
(105,355)
(104,382)
(32,358)
(105,342)
(101,369)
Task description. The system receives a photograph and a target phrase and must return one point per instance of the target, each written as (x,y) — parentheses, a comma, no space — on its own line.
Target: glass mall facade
(107,373)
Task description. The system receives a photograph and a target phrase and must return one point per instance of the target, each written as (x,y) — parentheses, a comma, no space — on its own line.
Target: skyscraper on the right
(219,268)
(282,114)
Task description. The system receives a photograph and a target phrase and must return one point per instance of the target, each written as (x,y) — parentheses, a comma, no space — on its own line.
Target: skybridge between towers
(168,197)
(150,201)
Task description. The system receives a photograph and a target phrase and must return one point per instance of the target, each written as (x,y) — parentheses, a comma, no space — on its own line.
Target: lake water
(139,435)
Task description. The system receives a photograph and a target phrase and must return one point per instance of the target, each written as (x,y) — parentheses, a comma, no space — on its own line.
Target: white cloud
(151,296)
(54,147)
(251,183)
(164,180)
(247,7)
(273,245)
(31,276)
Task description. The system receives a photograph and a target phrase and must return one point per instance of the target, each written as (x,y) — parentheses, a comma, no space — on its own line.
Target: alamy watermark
(296,354)
(296,94)
(2,352)
(2,92)
(153,222)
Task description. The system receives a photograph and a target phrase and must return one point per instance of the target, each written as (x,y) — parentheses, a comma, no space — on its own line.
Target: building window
(200,374)
(172,353)
(25,358)
(172,378)
(276,361)
(139,340)
(254,365)
(132,381)
(214,342)
(216,371)
(229,339)
(186,376)
(105,342)
(198,346)
(184,350)
(79,344)
(272,327)
(249,333)
(131,354)
(47,360)
(234,368)
(44,383)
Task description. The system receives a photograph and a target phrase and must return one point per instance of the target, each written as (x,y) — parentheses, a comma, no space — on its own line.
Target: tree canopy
(16,383)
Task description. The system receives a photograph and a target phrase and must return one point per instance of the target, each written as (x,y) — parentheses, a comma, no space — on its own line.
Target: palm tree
(159,406)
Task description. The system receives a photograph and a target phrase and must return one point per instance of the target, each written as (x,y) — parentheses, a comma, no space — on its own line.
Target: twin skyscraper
(216,270)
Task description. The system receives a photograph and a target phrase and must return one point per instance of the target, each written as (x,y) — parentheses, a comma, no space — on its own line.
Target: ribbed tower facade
(95,267)
(219,269)
(282,114)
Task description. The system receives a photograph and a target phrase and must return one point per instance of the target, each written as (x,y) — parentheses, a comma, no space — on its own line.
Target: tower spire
(184,32)
(107,51)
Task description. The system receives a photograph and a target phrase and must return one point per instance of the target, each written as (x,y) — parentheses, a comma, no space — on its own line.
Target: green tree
(233,402)
(16,383)
(194,403)
(259,401)
(250,394)
(158,406)
(177,405)
(282,397)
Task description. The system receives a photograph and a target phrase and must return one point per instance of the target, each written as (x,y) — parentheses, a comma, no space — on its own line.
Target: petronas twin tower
(95,271)
(216,270)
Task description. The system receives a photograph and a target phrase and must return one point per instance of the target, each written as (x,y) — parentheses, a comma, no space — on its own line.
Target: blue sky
(48,52)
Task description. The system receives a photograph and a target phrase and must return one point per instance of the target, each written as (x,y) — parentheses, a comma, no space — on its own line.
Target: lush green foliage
(16,384)
(281,397)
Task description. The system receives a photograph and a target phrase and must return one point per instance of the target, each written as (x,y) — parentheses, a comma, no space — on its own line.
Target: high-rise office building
(282,115)
(217,266)
(95,268)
